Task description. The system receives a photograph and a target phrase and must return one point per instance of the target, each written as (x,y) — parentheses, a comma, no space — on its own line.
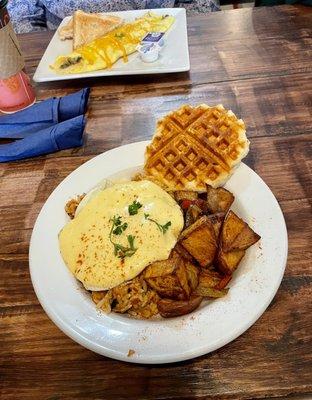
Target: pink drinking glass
(16,92)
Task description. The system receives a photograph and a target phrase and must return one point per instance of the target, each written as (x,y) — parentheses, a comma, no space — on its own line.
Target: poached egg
(118,232)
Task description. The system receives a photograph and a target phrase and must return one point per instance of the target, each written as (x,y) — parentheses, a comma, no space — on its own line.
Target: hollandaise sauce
(118,232)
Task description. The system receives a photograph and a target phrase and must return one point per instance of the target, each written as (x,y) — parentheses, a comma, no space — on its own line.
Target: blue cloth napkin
(52,125)
(65,135)
(43,115)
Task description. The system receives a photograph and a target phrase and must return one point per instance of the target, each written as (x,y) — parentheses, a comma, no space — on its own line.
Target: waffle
(196,146)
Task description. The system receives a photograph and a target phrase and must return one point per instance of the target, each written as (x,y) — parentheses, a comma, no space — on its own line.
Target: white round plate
(213,325)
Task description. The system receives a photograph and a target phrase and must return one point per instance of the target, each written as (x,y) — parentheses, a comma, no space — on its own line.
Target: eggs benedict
(118,232)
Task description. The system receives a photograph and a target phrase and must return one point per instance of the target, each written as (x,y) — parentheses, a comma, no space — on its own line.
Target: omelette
(118,232)
(105,51)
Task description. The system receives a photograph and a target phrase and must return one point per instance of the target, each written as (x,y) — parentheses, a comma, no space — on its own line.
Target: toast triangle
(88,27)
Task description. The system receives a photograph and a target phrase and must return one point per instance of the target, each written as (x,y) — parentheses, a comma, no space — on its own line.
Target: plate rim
(65,327)
(97,74)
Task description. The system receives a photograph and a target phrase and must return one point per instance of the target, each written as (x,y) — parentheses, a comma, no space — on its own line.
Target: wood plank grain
(223,46)
(248,61)
(20,307)
(30,342)
(283,162)
(14,263)
(271,106)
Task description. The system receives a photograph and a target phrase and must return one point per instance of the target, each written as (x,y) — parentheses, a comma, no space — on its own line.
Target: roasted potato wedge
(236,234)
(168,287)
(224,281)
(212,278)
(217,221)
(246,238)
(219,200)
(183,252)
(202,204)
(209,278)
(170,308)
(181,273)
(205,291)
(228,262)
(200,241)
(192,274)
(180,195)
(162,268)
(232,227)
(191,215)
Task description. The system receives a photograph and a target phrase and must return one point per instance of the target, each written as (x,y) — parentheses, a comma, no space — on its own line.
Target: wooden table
(256,62)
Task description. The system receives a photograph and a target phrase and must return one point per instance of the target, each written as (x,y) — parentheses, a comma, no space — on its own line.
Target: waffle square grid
(195,146)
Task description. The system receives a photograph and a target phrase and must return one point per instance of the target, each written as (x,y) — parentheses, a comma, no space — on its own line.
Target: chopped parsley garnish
(118,228)
(134,207)
(162,228)
(131,241)
(122,251)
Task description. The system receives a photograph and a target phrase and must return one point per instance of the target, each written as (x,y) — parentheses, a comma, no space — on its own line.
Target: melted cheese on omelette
(105,51)
(85,241)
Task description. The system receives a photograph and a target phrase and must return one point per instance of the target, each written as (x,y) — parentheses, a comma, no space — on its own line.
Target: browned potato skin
(210,292)
(246,238)
(217,221)
(170,308)
(219,200)
(182,276)
(224,282)
(232,227)
(209,278)
(236,237)
(169,278)
(192,274)
(192,214)
(228,262)
(200,241)
(168,287)
(183,252)
(208,283)
(162,268)
(237,234)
